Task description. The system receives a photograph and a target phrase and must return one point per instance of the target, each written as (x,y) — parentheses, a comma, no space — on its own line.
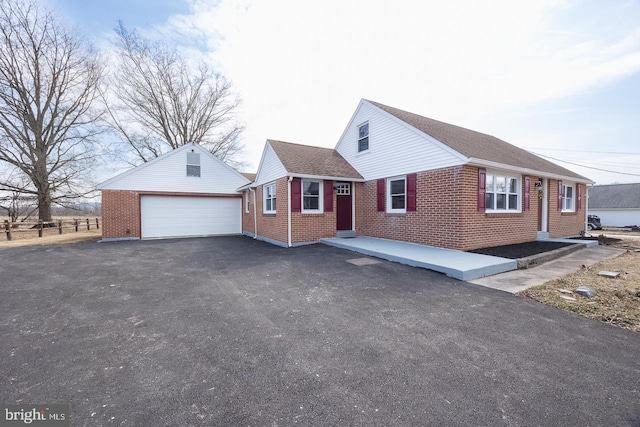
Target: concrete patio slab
(457,264)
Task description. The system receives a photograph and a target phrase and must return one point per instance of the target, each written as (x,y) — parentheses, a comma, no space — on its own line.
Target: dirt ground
(521,250)
(617,301)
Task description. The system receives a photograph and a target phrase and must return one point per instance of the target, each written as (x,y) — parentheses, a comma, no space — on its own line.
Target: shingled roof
(615,196)
(313,161)
(476,145)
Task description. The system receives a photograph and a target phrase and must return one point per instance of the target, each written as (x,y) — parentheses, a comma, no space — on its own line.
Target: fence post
(7,229)
(59,226)
(75,223)
(97,224)
(39,228)
(87,223)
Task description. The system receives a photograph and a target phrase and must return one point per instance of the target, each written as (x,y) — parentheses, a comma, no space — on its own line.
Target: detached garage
(186,192)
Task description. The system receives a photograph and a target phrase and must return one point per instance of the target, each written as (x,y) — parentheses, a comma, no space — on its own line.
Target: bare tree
(157,102)
(49,79)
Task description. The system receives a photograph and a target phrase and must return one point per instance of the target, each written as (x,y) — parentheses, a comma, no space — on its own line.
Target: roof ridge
(432,119)
(478,146)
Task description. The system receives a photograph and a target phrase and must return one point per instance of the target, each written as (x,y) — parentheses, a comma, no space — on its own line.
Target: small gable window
(363,137)
(193,164)
(311,196)
(269,198)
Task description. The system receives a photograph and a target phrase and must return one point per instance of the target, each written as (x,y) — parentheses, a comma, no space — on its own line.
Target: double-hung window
(193,164)
(269,198)
(363,137)
(568,198)
(311,196)
(397,195)
(502,193)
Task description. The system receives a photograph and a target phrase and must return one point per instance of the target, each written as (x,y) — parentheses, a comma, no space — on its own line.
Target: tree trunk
(44,205)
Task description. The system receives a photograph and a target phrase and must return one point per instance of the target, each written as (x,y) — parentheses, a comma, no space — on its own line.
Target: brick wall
(305,227)
(563,224)
(272,226)
(447,214)
(120,214)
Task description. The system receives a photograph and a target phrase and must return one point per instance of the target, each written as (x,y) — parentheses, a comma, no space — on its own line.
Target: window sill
(568,213)
(395,214)
(505,212)
(312,212)
(268,214)
(362,153)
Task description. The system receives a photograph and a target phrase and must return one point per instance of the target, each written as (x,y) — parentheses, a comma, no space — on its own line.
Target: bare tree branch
(48,83)
(158,103)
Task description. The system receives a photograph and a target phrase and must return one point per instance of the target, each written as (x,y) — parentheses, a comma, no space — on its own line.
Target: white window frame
(273,198)
(571,208)
(320,196)
(359,138)
(194,162)
(390,208)
(247,201)
(507,193)
(343,189)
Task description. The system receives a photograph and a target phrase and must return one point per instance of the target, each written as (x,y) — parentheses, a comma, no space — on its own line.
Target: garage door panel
(175,216)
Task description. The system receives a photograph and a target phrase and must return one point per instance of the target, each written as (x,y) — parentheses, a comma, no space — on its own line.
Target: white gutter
(255,214)
(326,177)
(289,211)
(525,171)
(586,211)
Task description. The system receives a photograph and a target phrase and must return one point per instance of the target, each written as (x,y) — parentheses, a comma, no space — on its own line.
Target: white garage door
(176,216)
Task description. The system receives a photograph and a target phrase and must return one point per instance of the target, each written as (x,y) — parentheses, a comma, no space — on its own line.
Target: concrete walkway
(519,280)
(457,264)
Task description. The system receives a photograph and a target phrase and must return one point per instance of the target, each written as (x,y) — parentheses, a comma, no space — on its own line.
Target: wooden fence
(15,229)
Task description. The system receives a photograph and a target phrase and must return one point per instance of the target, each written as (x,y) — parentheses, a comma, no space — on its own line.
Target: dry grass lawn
(617,300)
(25,235)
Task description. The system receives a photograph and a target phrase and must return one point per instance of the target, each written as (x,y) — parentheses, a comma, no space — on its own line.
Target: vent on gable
(193,164)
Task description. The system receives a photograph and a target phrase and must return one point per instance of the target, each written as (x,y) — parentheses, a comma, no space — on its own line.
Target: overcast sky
(559,78)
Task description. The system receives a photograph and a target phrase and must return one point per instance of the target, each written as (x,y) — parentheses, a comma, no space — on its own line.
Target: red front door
(343,206)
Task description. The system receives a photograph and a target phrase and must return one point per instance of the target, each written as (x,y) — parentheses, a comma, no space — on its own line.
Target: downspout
(255,214)
(586,211)
(289,211)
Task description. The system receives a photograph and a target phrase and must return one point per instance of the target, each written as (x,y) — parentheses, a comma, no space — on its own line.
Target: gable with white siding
(270,168)
(395,148)
(168,173)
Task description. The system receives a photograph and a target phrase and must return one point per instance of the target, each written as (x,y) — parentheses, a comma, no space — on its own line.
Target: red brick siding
(273,226)
(447,214)
(563,224)
(120,214)
(304,227)
(121,211)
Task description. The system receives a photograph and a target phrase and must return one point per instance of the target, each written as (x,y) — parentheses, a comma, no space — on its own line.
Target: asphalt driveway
(231,331)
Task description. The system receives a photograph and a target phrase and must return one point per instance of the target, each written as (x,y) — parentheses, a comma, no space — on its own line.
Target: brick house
(185,192)
(402,176)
